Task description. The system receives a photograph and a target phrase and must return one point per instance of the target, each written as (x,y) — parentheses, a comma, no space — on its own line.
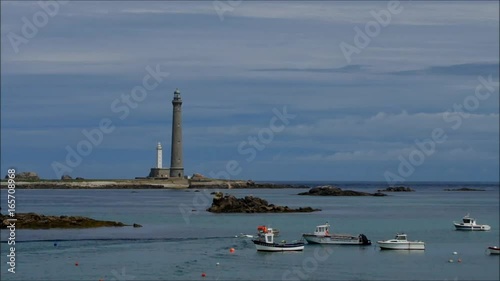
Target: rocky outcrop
(249,204)
(397,189)
(328,190)
(29,176)
(36,221)
(66,178)
(197,177)
(464,189)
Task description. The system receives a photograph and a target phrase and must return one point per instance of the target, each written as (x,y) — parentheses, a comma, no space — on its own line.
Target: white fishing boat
(400,242)
(494,250)
(470,224)
(265,242)
(322,235)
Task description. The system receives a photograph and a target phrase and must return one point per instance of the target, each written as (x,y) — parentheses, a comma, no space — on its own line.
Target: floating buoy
(231,250)
(459,260)
(76,263)
(217,264)
(203,274)
(450,260)
(455,253)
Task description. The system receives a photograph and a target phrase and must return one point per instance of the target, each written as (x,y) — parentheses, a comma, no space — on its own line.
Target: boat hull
(401,245)
(494,250)
(479,227)
(334,240)
(277,247)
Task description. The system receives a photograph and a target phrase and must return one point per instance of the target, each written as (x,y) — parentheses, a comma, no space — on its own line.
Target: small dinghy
(494,250)
(469,224)
(265,242)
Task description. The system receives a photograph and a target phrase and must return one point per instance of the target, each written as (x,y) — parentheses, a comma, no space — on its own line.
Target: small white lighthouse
(159,156)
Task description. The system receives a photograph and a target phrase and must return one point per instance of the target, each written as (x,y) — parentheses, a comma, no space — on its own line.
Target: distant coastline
(145,184)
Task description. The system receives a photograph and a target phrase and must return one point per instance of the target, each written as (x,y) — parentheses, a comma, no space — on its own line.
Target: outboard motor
(364,240)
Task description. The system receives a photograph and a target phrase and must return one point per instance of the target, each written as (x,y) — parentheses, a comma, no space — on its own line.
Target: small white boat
(265,242)
(400,242)
(470,224)
(494,250)
(322,235)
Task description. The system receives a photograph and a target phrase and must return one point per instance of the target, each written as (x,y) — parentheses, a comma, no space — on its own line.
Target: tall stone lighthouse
(176,166)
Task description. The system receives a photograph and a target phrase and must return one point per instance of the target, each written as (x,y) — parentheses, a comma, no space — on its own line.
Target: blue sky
(354,120)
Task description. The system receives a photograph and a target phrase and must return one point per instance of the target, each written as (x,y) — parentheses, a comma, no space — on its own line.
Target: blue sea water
(179,240)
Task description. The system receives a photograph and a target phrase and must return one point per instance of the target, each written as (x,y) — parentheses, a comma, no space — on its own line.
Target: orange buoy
(76,263)
(203,274)
(231,250)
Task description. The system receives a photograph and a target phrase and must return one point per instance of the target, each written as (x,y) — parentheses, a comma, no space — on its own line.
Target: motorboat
(265,242)
(469,224)
(322,235)
(400,242)
(494,250)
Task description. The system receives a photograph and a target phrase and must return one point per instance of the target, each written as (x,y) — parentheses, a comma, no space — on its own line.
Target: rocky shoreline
(37,221)
(463,189)
(230,204)
(147,184)
(397,189)
(329,190)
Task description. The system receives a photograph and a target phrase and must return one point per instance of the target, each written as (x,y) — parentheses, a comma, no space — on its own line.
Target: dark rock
(31,176)
(136,225)
(397,189)
(249,204)
(464,189)
(36,221)
(328,190)
(66,178)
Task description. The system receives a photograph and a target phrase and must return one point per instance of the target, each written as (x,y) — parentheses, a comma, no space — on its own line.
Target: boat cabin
(401,237)
(323,230)
(467,220)
(269,236)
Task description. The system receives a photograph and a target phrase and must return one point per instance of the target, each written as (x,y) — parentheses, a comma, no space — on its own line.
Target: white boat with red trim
(469,224)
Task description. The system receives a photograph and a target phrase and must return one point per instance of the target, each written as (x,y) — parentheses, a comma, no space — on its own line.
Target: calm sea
(179,240)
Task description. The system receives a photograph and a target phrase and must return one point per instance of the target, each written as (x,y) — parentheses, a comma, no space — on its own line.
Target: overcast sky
(354,119)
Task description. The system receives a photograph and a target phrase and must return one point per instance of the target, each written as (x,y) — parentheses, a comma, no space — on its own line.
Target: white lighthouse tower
(159,156)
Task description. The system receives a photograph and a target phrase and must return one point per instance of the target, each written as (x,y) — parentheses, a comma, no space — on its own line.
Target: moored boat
(400,242)
(469,224)
(494,250)
(265,242)
(322,235)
